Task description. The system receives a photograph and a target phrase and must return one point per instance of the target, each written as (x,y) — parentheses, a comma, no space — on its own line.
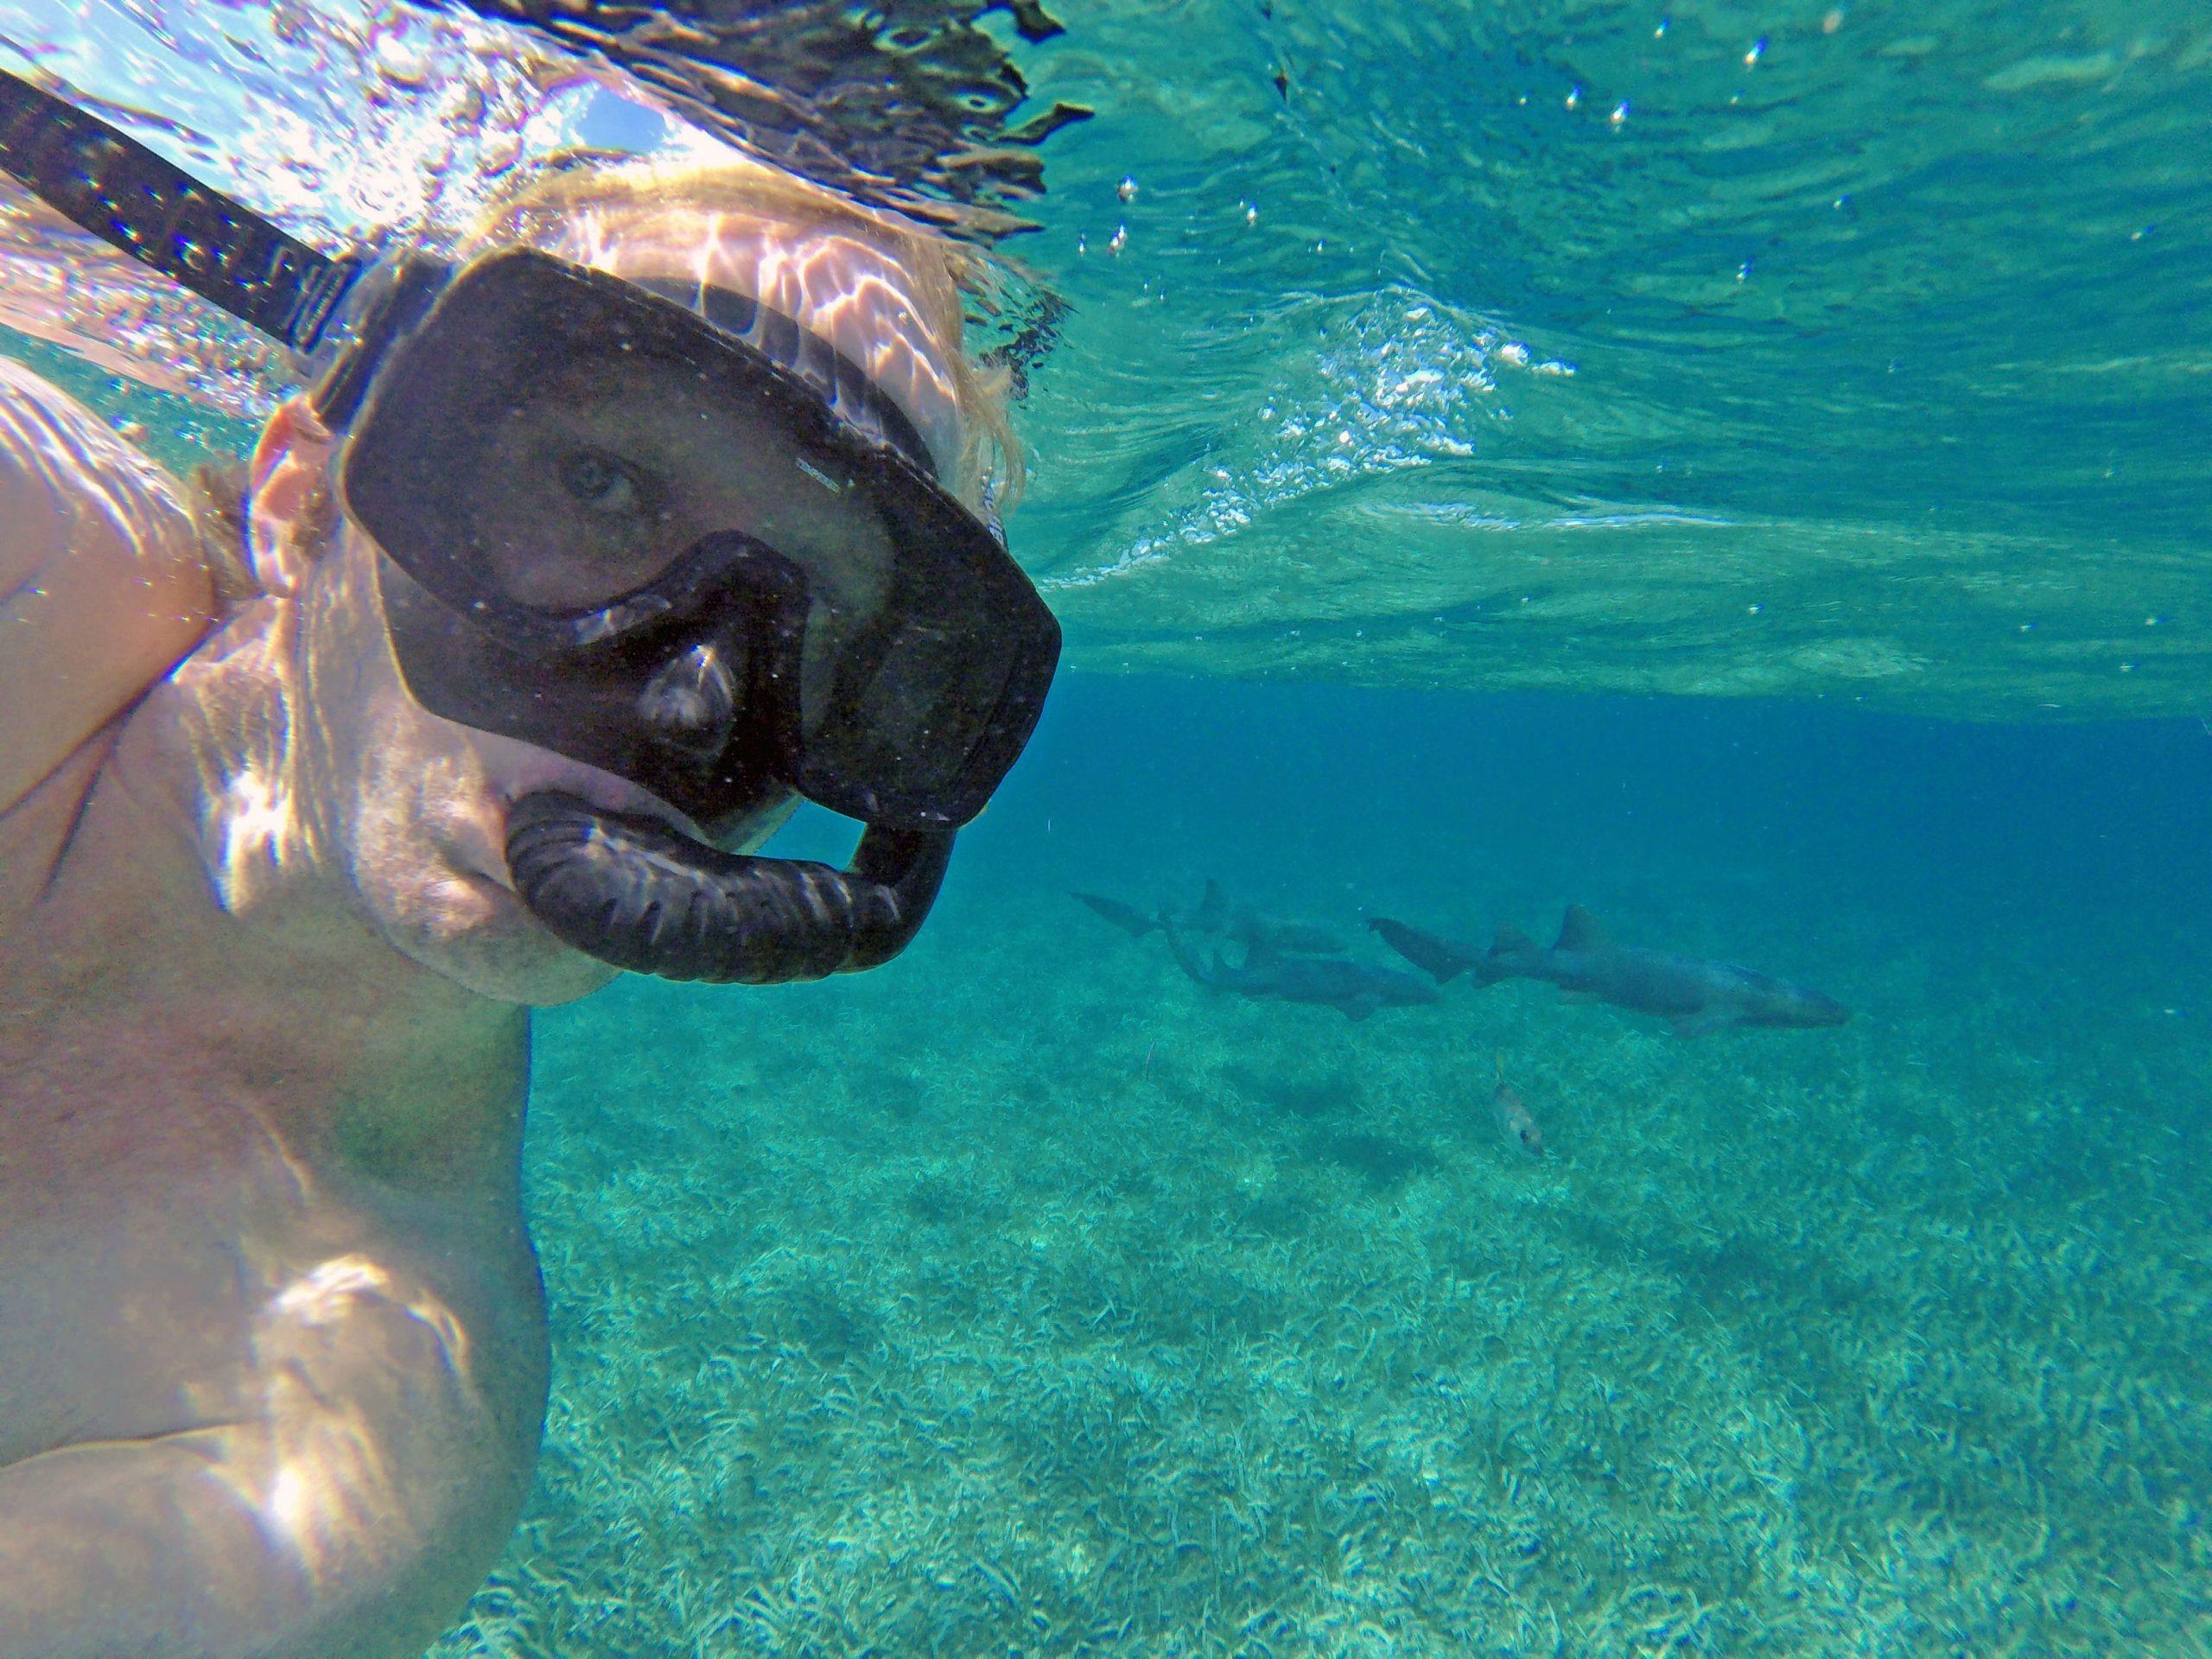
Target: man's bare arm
(103,589)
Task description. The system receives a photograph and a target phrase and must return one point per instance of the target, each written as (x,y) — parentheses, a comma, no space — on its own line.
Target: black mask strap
(113,185)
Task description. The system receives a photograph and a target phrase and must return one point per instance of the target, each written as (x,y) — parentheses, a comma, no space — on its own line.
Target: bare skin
(272,1343)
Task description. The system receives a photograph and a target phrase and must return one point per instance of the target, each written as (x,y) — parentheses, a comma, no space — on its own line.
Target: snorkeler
(590,552)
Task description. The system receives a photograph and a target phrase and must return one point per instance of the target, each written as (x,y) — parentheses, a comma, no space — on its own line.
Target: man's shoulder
(103,587)
(50,434)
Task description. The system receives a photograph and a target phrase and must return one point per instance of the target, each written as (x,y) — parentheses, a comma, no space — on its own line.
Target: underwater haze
(1027,1298)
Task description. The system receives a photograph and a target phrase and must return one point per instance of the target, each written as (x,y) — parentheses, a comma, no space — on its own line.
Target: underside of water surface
(1839,352)
(1846,351)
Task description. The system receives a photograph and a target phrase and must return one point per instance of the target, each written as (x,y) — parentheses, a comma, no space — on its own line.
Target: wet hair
(216,490)
(937,275)
(595,202)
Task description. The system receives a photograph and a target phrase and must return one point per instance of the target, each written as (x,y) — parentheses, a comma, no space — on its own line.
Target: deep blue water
(2083,853)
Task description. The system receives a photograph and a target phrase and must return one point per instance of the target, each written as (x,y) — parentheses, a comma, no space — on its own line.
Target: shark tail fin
(1581,931)
(1512,942)
(1131,920)
(1441,959)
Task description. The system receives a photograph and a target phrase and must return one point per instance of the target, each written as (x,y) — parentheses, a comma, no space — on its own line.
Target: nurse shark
(1354,989)
(1698,995)
(1217,917)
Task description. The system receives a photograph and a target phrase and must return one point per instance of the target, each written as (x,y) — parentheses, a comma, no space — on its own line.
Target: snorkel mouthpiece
(630,892)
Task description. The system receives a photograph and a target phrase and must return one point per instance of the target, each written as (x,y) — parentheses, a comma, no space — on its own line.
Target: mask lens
(619,493)
(561,443)
(927,710)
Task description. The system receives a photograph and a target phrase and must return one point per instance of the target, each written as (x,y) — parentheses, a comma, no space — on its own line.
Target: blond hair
(596,202)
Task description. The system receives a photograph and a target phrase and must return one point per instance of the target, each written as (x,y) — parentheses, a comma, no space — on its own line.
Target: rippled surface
(1740,348)
(1859,353)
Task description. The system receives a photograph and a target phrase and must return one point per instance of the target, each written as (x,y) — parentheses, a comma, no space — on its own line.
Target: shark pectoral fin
(1441,959)
(1697,1025)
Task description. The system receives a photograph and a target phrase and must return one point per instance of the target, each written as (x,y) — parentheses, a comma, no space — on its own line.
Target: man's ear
(290,509)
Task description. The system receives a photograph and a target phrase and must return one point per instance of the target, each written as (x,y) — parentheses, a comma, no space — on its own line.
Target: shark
(1353,989)
(1217,917)
(1697,995)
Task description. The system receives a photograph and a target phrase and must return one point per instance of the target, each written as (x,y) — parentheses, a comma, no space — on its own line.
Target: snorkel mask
(548,579)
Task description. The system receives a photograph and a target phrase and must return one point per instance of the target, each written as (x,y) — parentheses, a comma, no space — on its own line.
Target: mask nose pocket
(690,704)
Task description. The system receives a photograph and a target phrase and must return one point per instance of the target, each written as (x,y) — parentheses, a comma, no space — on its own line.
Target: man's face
(416,804)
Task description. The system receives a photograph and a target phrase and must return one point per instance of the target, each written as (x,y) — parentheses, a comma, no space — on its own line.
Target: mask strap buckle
(396,300)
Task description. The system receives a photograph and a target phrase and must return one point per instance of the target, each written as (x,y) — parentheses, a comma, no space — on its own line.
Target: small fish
(1516,1125)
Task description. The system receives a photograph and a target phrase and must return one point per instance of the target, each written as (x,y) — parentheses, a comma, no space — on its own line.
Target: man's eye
(603,485)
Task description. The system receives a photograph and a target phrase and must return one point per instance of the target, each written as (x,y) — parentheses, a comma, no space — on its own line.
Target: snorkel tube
(630,892)
(626,889)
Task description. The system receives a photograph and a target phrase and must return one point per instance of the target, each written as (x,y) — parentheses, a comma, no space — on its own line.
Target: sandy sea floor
(1028,1299)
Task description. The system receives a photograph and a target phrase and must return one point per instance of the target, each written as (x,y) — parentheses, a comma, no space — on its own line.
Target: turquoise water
(1737,468)
(1886,325)
(1026,1298)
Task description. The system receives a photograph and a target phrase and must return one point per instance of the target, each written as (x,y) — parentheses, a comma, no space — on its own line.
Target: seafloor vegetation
(1050,1305)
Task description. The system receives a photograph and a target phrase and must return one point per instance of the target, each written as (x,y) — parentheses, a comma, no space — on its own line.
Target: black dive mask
(661,530)
(551,457)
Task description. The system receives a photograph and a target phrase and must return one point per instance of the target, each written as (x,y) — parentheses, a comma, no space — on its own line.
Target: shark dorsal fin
(1512,942)
(1214,906)
(1581,931)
